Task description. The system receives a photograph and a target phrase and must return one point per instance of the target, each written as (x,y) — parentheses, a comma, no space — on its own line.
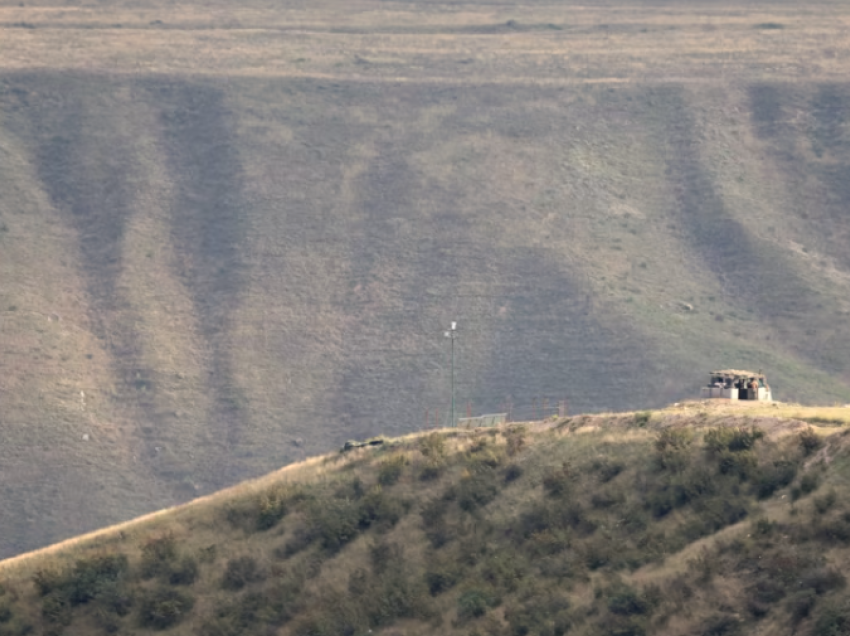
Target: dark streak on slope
(208,228)
(788,121)
(403,242)
(817,179)
(728,249)
(551,325)
(767,112)
(85,166)
(519,312)
(831,140)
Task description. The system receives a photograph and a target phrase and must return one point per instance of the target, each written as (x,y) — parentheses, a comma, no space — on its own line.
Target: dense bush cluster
(98,578)
(164,607)
(508,537)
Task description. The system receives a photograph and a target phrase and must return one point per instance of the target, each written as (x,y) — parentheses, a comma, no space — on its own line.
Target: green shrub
(116,598)
(835,530)
(157,555)
(553,516)
(503,570)
(476,491)
(184,572)
(800,604)
(809,441)
(434,510)
(808,484)
(351,489)
(515,440)
(704,565)
(485,459)
(768,590)
(773,477)
(301,540)
(474,603)
(660,502)
(742,464)
(390,470)
(47,580)
(207,554)
(395,596)
(732,439)
(822,580)
(720,625)
(606,469)
(334,523)
(833,618)
(721,511)
(164,607)
(240,571)
(242,514)
(379,510)
(547,542)
(606,498)
(441,578)
(430,471)
(557,483)
(539,612)
(762,527)
(642,418)
(675,490)
(383,554)
(512,472)
(599,551)
(90,574)
(625,600)
(56,609)
(433,446)
(823,503)
(672,449)
(829,421)
(272,506)
(86,580)
(5,613)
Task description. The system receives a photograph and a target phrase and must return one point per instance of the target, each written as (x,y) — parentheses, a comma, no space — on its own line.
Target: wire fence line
(524,410)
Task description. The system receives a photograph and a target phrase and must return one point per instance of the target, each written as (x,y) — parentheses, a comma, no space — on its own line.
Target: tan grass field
(570,583)
(433,42)
(231,237)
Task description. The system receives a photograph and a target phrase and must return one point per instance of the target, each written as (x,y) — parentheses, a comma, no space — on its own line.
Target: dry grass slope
(699,519)
(231,236)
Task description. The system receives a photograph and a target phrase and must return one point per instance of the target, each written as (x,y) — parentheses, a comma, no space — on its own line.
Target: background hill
(232,236)
(694,520)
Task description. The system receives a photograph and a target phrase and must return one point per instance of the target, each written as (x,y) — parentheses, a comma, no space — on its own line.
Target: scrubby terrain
(231,236)
(693,520)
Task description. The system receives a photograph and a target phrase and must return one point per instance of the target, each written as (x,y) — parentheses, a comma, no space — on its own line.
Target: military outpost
(734,384)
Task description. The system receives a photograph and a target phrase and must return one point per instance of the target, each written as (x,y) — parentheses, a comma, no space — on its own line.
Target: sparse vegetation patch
(555,535)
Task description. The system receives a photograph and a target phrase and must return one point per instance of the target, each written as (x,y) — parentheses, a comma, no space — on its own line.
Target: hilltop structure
(733,384)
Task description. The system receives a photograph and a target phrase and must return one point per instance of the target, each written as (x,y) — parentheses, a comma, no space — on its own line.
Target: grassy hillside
(693,520)
(232,236)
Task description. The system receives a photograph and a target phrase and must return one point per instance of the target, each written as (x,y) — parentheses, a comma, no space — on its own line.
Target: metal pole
(454,423)
(450,334)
